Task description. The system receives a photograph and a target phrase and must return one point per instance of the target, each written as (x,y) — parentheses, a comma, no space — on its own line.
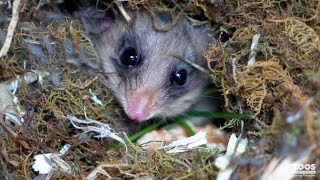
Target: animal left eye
(130,57)
(180,77)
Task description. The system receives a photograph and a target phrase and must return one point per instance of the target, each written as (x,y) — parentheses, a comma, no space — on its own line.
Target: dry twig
(13,134)
(123,12)
(12,26)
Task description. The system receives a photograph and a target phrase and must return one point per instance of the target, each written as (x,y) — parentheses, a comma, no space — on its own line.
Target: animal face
(141,71)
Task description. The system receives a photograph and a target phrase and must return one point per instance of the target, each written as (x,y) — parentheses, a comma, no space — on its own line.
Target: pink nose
(138,109)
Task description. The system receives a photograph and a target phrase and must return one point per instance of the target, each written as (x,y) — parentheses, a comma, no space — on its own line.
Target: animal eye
(180,77)
(130,57)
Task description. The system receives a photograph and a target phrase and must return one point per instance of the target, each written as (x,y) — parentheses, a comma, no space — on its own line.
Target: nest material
(281,89)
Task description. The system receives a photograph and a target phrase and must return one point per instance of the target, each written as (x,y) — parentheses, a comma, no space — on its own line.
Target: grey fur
(153,74)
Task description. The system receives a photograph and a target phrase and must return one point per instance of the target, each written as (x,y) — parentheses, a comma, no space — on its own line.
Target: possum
(139,65)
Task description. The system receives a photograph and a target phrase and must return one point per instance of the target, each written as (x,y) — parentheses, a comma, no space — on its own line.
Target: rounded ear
(203,36)
(96,21)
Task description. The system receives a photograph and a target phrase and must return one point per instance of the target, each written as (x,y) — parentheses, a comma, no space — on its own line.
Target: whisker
(212,97)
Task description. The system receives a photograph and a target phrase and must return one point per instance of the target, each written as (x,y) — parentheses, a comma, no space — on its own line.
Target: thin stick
(194,65)
(123,11)
(13,134)
(12,26)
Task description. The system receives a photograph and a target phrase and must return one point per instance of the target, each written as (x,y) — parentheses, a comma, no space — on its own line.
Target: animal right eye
(130,57)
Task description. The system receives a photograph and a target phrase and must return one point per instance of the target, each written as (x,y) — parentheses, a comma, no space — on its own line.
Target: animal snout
(139,107)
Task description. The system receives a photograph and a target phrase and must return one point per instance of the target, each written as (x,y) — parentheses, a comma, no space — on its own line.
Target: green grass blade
(183,123)
(136,136)
(181,120)
(216,115)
